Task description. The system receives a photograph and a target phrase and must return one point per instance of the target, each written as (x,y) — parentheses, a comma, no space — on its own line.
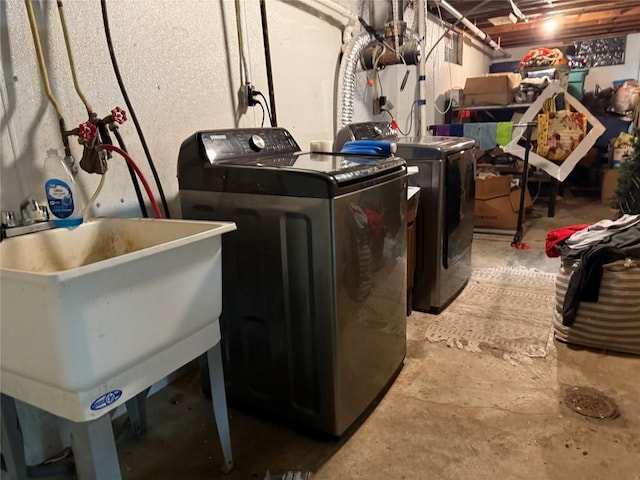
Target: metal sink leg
(94,450)
(216,377)
(12,441)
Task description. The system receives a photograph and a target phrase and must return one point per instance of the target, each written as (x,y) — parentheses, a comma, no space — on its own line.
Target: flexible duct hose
(347,78)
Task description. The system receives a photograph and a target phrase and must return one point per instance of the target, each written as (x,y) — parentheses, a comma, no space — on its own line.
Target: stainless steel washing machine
(444,221)
(314,279)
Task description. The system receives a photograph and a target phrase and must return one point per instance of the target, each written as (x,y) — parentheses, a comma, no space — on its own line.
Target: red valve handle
(119,115)
(87,130)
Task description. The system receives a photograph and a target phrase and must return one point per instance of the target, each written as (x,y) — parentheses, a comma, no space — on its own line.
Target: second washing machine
(445,216)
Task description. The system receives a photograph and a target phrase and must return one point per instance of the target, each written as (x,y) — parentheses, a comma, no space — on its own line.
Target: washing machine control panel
(224,145)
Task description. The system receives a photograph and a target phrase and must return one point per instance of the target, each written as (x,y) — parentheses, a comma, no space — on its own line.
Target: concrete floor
(450,414)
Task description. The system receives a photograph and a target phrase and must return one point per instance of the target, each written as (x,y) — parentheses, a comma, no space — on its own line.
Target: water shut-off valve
(94,159)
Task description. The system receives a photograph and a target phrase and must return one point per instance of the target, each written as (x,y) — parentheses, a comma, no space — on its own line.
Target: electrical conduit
(422,68)
(267,59)
(471,26)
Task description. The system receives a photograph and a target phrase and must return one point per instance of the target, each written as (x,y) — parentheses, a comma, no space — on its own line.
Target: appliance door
(371,276)
(459,208)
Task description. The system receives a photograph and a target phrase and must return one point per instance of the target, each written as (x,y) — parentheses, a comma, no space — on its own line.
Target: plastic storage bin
(576,82)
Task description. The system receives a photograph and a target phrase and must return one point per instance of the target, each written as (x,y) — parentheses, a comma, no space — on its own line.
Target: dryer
(445,216)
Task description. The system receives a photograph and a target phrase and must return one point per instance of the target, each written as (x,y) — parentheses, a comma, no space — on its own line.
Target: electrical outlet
(376,106)
(251,95)
(243,99)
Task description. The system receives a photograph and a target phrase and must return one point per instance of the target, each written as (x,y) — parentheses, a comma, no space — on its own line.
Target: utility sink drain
(590,402)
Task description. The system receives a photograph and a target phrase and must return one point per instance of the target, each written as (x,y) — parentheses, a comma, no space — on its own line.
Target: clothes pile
(598,286)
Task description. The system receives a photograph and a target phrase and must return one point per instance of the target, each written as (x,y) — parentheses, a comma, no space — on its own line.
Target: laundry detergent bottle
(60,190)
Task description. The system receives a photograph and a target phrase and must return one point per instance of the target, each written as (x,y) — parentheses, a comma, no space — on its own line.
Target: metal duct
(347,78)
(408,53)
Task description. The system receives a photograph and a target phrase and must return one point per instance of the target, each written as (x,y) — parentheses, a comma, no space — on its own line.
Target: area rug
(506,308)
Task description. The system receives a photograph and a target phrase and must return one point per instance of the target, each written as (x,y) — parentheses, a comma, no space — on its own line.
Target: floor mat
(505,308)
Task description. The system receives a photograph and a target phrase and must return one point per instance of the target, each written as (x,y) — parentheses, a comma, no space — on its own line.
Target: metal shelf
(511,106)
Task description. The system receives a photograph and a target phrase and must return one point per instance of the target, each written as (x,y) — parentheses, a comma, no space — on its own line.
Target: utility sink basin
(91,316)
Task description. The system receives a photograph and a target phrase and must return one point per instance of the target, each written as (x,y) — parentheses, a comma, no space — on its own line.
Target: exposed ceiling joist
(575,19)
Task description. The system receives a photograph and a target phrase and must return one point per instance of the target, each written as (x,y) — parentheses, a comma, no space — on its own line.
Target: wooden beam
(586,18)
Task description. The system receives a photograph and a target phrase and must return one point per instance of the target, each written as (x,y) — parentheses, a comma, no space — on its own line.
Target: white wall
(603,76)
(180,65)
(179,60)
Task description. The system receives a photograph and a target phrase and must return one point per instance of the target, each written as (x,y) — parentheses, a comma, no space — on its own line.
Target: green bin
(576,82)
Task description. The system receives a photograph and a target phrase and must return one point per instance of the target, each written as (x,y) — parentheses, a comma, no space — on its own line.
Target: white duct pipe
(475,30)
(422,68)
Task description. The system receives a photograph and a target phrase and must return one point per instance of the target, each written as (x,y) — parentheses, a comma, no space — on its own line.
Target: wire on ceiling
(123,90)
(451,26)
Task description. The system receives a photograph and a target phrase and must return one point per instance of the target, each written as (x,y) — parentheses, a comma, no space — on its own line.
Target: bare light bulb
(550,25)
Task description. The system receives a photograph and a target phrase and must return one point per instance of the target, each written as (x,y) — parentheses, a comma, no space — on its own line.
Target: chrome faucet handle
(9,219)
(31,212)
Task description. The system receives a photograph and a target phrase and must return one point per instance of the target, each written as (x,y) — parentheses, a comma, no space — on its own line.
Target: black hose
(132,173)
(267,59)
(116,69)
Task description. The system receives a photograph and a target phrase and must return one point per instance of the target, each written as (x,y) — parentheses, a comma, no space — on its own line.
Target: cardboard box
(609,185)
(488,91)
(514,78)
(496,205)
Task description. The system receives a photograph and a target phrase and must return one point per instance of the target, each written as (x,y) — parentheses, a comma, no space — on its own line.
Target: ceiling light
(550,25)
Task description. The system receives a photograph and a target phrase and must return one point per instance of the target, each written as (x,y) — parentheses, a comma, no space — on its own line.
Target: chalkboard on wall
(602,52)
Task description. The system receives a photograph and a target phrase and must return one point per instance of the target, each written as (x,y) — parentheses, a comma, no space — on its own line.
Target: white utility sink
(91,316)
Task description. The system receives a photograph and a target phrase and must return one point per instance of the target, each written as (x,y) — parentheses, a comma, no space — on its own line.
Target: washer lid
(444,144)
(339,167)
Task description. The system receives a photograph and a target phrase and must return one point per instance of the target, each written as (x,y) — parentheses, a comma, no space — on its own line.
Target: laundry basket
(611,323)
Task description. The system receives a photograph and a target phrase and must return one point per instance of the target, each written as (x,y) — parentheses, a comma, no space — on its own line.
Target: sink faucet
(34,218)
(31,212)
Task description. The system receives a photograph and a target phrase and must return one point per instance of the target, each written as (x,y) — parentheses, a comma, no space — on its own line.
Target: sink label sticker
(105,400)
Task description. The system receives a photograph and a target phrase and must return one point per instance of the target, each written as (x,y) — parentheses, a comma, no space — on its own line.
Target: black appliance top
(384,131)
(269,161)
